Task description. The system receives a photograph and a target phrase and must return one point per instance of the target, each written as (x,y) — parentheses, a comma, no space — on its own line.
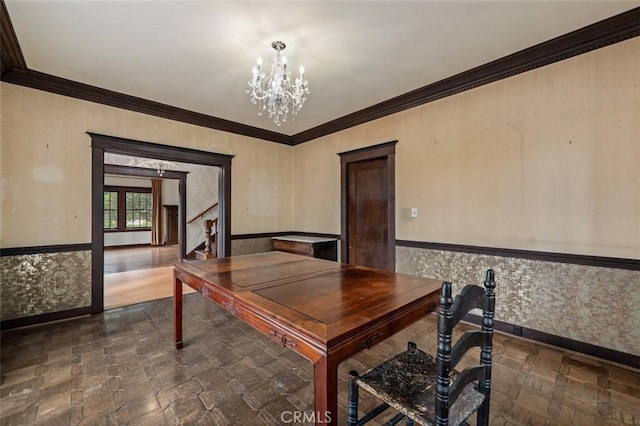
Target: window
(127,209)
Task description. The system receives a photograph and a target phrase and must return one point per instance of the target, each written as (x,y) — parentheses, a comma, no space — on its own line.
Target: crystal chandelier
(274,92)
(160,165)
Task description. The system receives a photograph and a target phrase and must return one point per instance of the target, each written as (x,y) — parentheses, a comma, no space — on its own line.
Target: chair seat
(407,383)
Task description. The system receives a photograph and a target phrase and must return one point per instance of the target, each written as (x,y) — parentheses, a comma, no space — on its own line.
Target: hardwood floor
(121,259)
(138,274)
(130,287)
(120,367)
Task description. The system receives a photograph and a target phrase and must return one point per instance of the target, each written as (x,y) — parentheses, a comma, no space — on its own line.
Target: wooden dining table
(324,311)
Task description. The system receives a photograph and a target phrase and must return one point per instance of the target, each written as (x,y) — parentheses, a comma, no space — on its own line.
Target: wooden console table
(319,247)
(324,311)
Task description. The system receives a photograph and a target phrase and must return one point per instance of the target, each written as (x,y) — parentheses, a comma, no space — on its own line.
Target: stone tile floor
(120,368)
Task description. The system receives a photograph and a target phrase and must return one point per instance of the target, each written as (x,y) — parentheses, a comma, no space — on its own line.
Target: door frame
(385,151)
(103,143)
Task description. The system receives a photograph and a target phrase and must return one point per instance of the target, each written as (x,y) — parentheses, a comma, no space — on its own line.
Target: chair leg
(352,399)
(483,412)
(411,348)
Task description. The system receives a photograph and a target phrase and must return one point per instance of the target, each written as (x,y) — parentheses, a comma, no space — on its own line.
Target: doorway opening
(141,240)
(368,229)
(102,144)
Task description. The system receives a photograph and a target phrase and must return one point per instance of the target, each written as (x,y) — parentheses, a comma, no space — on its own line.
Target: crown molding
(62,86)
(604,33)
(12,58)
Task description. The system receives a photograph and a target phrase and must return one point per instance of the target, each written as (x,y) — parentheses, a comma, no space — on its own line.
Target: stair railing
(203,212)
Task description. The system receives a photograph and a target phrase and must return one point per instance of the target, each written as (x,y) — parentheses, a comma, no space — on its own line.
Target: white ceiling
(198,55)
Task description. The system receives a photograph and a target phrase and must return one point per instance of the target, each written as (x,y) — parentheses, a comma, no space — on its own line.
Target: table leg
(325,382)
(177,311)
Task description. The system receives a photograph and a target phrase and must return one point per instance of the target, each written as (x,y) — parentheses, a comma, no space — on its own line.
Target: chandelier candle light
(160,165)
(274,92)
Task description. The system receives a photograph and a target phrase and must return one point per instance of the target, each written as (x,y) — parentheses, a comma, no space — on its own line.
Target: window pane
(138,210)
(110,213)
(148,216)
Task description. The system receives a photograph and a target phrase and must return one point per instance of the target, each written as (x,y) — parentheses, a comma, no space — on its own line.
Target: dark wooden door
(172,224)
(368,213)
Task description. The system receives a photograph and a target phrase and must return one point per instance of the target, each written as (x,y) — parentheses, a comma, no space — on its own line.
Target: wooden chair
(431,392)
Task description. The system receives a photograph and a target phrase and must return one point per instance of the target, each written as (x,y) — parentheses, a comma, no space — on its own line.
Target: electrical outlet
(517,330)
(414,212)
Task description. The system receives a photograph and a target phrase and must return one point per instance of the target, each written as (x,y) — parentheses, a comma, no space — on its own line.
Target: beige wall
(45,166)
(547,160)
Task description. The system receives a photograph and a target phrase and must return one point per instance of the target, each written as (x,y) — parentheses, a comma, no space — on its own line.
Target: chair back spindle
(444,353)
(485,350)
